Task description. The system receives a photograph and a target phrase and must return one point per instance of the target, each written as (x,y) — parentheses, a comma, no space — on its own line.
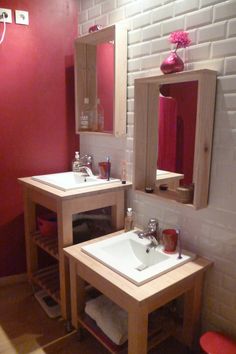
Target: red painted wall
(36,110)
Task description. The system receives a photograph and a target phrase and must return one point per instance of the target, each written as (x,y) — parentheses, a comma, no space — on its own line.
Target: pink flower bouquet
(180,38)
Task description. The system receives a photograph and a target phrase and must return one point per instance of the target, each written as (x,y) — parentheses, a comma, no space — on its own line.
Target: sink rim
(137,277)
(47,179)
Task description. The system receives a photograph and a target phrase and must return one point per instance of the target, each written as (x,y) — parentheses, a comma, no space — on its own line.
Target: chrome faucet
(87,170)
(86,160)
(85,164)
(151,234)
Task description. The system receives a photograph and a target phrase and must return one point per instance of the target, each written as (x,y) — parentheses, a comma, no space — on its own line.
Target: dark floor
(26,329)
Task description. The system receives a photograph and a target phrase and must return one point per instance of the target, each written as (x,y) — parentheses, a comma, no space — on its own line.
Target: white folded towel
(109,317)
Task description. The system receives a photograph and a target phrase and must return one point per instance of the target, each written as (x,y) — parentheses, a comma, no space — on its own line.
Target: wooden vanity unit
(138,301)
(55,279)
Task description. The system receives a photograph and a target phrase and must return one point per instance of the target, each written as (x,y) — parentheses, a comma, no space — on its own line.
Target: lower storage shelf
(159,329)
(48,279)
(90,325)
(48,244)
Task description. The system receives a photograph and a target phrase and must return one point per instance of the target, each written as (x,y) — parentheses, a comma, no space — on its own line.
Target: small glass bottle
(76,162)
(100,116)
(129,220)
(85,116)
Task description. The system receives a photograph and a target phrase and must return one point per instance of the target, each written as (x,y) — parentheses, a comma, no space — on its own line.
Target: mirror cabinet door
(100,81)
(174,121)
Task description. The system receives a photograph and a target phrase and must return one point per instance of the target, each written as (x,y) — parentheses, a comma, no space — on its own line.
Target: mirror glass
(105,82)
(177,112)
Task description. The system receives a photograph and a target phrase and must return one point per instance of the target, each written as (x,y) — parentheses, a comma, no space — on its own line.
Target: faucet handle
(141,234)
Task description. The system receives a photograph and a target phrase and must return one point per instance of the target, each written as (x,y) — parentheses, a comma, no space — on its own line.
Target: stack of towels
(109,317)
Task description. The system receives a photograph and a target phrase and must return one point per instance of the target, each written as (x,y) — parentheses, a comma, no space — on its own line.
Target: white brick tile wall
(123,2)
(224,48)
(204,3)
(184,6)
(212,64)
(141,21)
(209,232)
(175,24)
(134,65)
(230,101)
(116,16)
(162,13)
(130,115)
(225,10)
(86,4)
(230,65)
(199,18)
(212,32)
(133,9)
(232,28)
(134,36)
(193,36)
(160,45)
(200,52)
(139,50)
(151,4)
(152,32)
(150,62)
(108,6)
(94,12)
(227,83)
(83,16)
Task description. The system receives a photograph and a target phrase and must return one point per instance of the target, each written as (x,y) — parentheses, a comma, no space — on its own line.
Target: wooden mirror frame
(88,43)
(145,132)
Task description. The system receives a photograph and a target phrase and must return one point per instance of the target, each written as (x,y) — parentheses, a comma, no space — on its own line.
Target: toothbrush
(108,168)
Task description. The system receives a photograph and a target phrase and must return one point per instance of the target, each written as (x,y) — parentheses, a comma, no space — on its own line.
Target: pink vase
(172,64)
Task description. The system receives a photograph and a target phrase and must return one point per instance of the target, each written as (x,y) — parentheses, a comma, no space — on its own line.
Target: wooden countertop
(57,193)
(106,279)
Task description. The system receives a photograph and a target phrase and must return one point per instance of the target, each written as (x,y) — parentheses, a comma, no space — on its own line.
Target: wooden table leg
(192,310)
(30,226)
(137,331)
(65,238)
(117,211)
(77,286)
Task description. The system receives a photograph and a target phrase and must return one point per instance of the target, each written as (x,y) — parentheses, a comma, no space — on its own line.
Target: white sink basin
(127,255)
(66,181)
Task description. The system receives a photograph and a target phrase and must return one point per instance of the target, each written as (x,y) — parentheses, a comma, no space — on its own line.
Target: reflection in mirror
(176,130)
(105,85)
(97,108)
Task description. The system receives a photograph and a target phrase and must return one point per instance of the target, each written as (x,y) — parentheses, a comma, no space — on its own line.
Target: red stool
(217,343)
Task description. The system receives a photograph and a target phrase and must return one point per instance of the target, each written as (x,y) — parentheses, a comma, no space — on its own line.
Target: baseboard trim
(13,279)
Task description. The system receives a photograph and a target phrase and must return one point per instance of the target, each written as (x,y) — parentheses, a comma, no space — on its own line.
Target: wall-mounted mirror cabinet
(174,116)
(100,81)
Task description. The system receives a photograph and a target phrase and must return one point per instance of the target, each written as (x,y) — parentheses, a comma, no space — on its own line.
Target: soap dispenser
(129,220)
(76,162)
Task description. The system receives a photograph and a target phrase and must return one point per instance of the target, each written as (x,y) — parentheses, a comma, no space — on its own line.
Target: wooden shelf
(48,244)
(92,328)
(158,331)
(48,279)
